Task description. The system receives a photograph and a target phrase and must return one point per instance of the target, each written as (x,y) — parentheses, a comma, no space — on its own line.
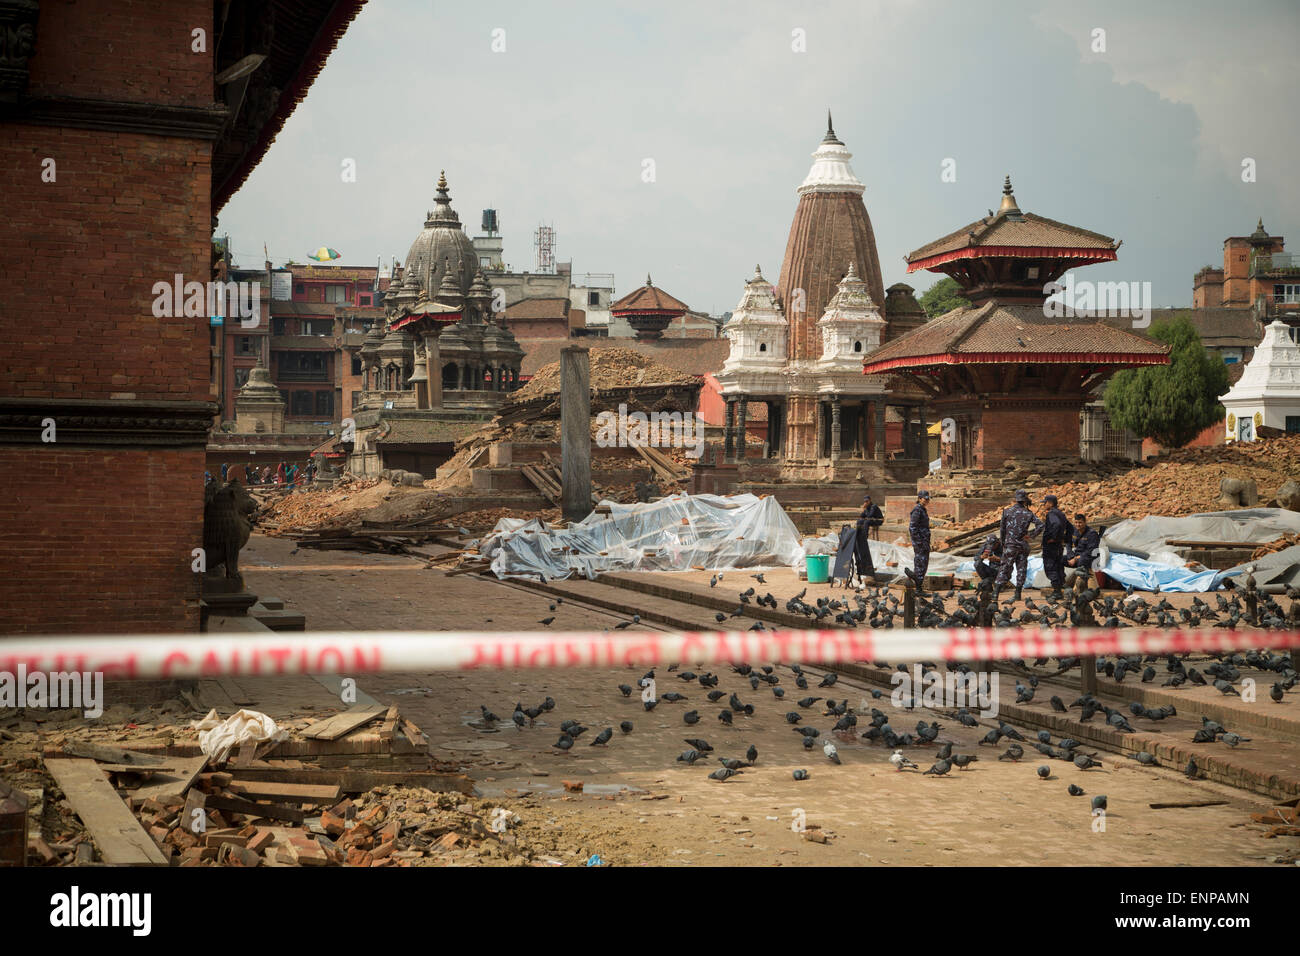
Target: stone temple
(442,360)
(797,347)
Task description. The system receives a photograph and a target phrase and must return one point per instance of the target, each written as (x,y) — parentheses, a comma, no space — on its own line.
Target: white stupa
(1268,393)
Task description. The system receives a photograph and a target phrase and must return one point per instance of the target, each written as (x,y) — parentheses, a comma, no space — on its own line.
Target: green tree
(942,297)
(1170,403)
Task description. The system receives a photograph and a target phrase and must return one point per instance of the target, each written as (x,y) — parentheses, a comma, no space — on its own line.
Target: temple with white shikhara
(797,346)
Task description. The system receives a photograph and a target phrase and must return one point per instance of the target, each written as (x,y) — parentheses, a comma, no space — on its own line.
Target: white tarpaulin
(882,553)
(1248,525)
(677,533)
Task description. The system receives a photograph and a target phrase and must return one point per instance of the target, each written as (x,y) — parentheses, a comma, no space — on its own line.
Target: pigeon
(691,716)
(565,742)
(1085,762)
(1232,739)
(719,617)
(626,726)
(1075,791)
(723,774)
(731,763)
(548,704)
(673,697)
(800,775)
(829,679)
(938,769)
(689,756)
(963,760)
(488,716)
(944,752)
(1099,802)
(715,695)
(725,717)
(546,621)
(807,743)
(900,762)
(808,701)
(1013,752)
(625,690)
(1044,771)
(1191,769)
(649,704)
(602,738)
(701,745)
(793,717)
(752,754)
(831,753)
(1057,705)
(1144,758)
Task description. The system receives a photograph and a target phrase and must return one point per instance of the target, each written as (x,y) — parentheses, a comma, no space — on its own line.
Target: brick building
(122,139)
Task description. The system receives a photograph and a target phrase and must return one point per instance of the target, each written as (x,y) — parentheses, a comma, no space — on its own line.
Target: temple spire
(830,130)
(1009,205)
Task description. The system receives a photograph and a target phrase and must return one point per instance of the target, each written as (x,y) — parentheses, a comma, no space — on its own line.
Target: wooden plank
(272,811)
(359,781)
(249,786)
(234,691)
(389,725)
(120,837)
(332,728)
(115,755)
(164,785)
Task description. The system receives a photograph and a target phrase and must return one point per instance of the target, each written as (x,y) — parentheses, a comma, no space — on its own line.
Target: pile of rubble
(355,788)
(611,368)
(1185,482)
(1273,547)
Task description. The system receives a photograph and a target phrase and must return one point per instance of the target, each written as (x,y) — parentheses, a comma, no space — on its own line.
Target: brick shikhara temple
(1012,380)
(797,346)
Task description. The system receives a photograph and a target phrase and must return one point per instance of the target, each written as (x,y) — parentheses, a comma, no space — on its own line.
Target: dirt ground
(641,806)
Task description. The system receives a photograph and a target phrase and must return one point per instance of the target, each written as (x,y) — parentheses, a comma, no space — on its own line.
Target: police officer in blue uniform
(1058,534)
(1017,523)
(918,526)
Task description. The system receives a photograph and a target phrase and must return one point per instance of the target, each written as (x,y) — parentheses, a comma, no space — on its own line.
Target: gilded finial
(647,279)
(442,179)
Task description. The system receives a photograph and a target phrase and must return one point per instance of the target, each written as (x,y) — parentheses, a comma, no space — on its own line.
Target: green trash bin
(819,568)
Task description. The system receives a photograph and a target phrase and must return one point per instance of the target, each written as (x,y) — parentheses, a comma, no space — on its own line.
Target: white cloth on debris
(218,737)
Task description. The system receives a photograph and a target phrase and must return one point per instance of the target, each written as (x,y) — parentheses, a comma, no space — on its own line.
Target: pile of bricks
(1273,547)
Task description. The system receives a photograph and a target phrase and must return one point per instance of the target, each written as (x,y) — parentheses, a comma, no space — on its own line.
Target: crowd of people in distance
(284,475)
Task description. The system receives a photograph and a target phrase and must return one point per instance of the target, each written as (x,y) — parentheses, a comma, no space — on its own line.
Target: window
(244,345)
(324,404)
(857,346)
(1286,293)
(363,300)
(298,288)
(278,326)
(593,298)
(356,397)
(302,403)
(484,262)
(762,346)
(336,294)
(1293,424)
(317,327)
(356,363)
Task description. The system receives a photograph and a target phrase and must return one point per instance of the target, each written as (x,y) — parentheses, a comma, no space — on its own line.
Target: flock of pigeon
(878,608)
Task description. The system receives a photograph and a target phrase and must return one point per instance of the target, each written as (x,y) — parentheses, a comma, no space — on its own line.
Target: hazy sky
(1143,142)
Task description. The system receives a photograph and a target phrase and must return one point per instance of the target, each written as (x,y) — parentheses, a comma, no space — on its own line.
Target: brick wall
(81,256)
(128,50)
(1038,429)
(97,539)
(94,540)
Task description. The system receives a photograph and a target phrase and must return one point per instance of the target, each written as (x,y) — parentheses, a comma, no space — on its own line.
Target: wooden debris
(332,728)
(120,837)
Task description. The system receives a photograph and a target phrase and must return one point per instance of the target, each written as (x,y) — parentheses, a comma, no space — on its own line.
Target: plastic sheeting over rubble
(677,533)
(1147,536)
